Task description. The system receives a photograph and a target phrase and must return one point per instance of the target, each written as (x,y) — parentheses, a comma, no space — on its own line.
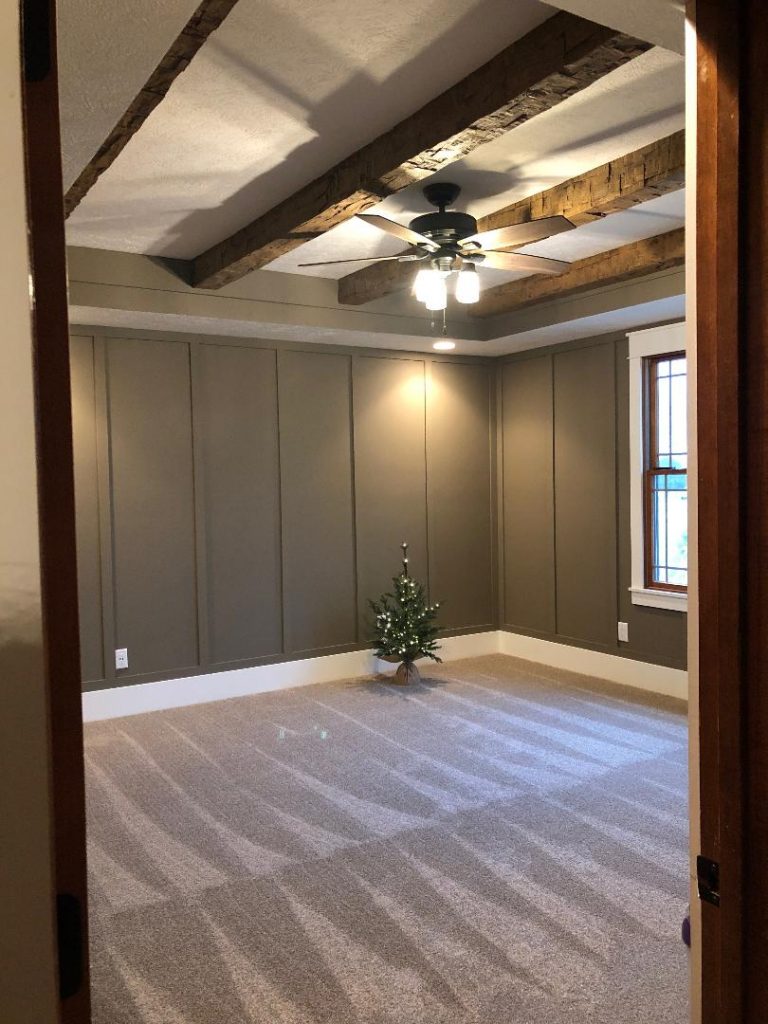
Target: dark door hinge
(708,877)
(69,929)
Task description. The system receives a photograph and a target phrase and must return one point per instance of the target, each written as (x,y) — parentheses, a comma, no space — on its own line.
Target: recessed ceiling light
(444,345)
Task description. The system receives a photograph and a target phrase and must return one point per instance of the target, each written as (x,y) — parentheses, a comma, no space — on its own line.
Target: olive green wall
(564,503)
(239,501)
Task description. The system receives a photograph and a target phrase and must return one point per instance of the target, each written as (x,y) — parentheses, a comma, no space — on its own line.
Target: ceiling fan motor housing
(449,227)
(443,227)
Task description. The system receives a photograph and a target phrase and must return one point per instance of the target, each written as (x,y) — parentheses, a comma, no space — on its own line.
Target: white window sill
(672,600)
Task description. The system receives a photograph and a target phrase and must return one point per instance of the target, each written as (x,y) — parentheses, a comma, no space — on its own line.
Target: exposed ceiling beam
(618,185)
(649,172)
(557,59)
(205,20)
(637,259)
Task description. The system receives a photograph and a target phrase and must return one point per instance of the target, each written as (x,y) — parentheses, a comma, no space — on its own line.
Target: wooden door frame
(56,497)
(732,413)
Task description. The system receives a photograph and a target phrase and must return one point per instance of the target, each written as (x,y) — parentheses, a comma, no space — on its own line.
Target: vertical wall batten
(528,495)
(241,498)
(104,472)
(85,451)
(459,479)
(317,510)
(153,503)
(353,494)
(390,473)
(584,492)
(198,477)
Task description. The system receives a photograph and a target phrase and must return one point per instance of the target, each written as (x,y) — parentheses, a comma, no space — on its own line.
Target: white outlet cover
(121,657)
(623,632)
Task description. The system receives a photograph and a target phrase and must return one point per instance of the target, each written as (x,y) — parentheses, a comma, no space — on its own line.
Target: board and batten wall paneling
(585,494)
(154,569)
(237,436)
(85,453)
(459,431)
(528,495)
(390,474)
(319,594)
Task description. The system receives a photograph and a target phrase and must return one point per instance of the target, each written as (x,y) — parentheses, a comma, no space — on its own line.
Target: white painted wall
(27,969)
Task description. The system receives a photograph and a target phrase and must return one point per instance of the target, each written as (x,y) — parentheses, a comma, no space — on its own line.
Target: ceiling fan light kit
(448,242)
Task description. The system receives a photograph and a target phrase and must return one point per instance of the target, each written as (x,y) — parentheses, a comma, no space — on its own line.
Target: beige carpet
(494,847)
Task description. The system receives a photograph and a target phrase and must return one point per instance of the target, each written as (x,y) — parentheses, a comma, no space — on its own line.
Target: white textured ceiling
(659,21)
(107,51)
(280,93)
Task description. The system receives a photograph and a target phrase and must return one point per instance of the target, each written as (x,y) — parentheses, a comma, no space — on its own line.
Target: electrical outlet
(121,657)
(623,632)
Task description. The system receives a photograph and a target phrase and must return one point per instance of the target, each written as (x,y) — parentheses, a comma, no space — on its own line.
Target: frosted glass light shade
(436,294)
(468,285)
(421,283)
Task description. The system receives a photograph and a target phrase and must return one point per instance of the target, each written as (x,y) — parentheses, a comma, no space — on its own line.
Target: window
(665,525)
(659,467)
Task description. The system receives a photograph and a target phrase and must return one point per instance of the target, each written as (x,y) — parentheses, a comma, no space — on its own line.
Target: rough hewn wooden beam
(557,59)
(637,259)
(204,21)
(635,178)
(645,174)
(374,282)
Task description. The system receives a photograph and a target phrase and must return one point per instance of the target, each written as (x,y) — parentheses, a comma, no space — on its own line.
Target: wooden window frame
(651,470)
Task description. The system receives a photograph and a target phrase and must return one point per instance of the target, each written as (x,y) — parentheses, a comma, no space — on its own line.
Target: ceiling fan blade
(519,261)
(519,234)
(398,230)
(358,259)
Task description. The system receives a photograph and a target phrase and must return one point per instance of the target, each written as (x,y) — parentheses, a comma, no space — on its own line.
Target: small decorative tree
(405,625)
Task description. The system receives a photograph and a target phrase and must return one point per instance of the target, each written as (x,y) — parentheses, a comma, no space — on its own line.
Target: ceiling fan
(449,241)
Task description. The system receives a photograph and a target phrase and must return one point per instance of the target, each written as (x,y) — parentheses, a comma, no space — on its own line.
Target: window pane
(679,433)
(669,509)
(667,531)
(663,423)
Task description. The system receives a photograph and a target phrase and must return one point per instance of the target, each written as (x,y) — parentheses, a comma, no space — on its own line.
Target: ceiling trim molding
(123,291)
(651,171)
(608,298)
(206,18)
(637,259)
(557,59)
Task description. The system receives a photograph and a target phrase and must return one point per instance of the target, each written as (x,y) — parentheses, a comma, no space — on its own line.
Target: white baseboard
(137,699)
(671,682)
(242,682)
